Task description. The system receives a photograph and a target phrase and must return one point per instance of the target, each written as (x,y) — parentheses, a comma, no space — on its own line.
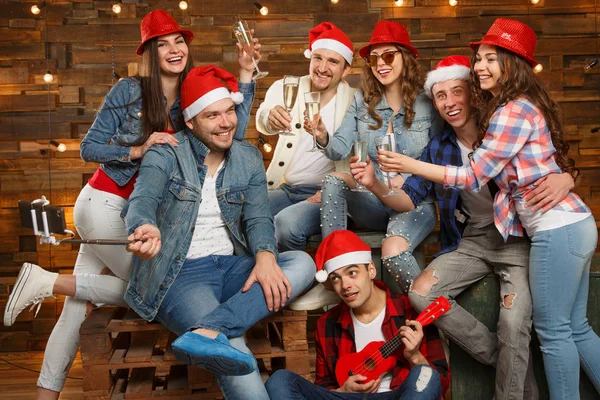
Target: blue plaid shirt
(442,150)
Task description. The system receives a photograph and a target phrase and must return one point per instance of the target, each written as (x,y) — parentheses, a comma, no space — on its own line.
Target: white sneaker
(316,297)
(33,285)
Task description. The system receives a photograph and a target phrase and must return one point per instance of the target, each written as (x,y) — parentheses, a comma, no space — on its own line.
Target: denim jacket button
(403,151)
(161,286)
(140,114)
(177,258)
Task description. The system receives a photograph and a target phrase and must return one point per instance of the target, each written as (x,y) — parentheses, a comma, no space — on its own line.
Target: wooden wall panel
(76,36)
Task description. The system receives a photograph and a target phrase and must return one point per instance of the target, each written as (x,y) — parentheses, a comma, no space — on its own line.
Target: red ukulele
(378,357)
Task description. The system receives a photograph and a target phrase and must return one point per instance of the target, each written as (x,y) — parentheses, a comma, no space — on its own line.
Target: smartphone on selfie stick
(46,220)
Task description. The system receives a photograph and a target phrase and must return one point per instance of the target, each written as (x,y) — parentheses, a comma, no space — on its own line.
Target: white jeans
(96,216)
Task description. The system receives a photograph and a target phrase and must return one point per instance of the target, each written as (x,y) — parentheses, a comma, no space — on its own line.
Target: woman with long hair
(522,140)
(137,113)
(390,103)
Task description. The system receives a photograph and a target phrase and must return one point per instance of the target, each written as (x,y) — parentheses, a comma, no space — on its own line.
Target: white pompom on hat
(451,67)
(206,85)
(328,36)
(338,250)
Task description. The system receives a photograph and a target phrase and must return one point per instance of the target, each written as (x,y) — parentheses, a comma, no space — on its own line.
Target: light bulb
(453,3)
(264,10)
(335,1)
(35,10)
(535,1)
(399,3)
(116,8)
(267,147)
(48,78)
(183,5)
(61,147)
(538,68)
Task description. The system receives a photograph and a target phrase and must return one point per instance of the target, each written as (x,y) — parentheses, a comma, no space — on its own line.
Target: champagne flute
(243,36)
(385,143)
(290,92)
(313,107)
(361,150)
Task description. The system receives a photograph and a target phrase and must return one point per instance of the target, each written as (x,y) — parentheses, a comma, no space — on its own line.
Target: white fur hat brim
(445,74)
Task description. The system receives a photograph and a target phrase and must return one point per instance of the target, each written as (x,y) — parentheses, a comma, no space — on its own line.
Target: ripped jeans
(367,211)
(483,251)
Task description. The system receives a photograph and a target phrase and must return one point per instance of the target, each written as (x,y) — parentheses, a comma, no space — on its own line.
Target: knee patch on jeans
(423,379)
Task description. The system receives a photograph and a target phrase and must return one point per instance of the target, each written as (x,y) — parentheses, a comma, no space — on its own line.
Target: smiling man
(369,312)
(471,245)
(208,267)
(295,174)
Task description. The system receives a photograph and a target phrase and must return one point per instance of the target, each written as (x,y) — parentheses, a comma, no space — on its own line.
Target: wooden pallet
(125,357)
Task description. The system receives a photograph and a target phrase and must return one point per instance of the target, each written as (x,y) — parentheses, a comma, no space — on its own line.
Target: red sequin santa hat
(511,35)
(338,250)
(206,85)
(328,36)
(451,67)
(389,32)
(159,23)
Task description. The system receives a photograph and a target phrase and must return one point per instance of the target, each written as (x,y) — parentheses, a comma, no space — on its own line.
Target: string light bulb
(48,78)
(263,10)
(267,147)
(538,68)
(183,5)
(335,1)
(453,3)
(399,3)
(591,64)
(35,10)
(534,2)
(116,8)
(59,146)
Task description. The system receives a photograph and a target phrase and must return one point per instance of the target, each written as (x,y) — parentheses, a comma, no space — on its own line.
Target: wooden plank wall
(72,40)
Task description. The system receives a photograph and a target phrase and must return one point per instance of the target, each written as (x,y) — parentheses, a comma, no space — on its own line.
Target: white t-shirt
(309,168)
(479,206)
(211,236)
(553,219)
(371,332)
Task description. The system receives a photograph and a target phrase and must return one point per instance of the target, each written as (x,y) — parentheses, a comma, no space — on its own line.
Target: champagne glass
(361,150)
(313,107)
(385,143)
(290,92)
(243,36)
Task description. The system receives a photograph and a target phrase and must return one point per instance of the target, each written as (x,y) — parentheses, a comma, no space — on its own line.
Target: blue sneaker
(215,355)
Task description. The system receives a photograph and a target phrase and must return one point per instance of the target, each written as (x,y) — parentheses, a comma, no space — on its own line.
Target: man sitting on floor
(369,312)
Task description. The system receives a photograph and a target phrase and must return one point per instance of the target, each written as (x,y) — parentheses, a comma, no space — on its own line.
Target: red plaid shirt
(335,338)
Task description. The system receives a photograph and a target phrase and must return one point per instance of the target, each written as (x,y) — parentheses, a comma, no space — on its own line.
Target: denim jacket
(168,193)
(411,142)
(118,124)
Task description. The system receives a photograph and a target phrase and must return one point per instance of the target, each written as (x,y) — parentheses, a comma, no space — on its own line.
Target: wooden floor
(20,384)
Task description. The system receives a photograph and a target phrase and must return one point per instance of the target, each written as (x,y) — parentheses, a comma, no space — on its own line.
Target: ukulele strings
(378,355)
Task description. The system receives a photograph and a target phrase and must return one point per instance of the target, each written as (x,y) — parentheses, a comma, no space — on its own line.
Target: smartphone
(54,215)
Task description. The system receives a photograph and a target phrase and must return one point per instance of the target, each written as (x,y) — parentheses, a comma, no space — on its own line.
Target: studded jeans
(367,211)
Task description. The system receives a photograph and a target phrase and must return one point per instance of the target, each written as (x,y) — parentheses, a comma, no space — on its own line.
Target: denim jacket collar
(200,150)
(383,105)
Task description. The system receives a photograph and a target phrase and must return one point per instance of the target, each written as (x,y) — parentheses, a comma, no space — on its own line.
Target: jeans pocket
(583,237)
(112,210)
(82,215)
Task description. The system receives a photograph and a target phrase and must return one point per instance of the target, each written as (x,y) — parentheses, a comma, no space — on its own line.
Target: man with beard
(295,174)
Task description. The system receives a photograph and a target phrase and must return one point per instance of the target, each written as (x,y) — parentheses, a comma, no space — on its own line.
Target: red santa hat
(204,86)
(451,67)
(328,36)
(338,250)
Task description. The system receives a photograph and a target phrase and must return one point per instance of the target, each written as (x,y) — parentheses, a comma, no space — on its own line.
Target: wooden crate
(125,357)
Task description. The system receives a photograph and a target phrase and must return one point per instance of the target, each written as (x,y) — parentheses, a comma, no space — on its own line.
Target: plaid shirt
(442,150)
(516,151)
(335,338)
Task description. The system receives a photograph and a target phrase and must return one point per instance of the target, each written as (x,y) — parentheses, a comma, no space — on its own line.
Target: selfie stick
(47,238)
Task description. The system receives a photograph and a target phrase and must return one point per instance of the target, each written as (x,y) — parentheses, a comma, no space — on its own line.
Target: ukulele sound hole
(370,364)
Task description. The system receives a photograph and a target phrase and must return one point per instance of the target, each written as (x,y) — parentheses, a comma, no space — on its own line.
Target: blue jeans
(559,273)
(295,219)
(367,211)
(207,294)
(422,383)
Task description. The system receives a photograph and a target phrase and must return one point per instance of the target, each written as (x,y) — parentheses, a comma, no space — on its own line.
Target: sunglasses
(387,57)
